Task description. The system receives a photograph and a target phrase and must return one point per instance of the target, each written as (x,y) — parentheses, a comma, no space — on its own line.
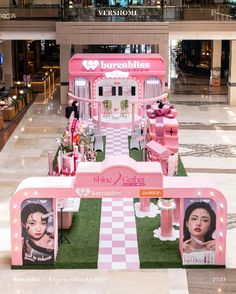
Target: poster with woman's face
(37,231)
(199,231)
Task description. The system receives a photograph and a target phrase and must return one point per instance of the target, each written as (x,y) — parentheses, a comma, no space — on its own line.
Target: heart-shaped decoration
(82,192)
(90,64)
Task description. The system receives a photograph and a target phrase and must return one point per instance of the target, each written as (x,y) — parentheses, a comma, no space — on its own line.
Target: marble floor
(207,146)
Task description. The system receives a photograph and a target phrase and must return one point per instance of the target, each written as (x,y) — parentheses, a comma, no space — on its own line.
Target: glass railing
(35,12)
(118,14)
(150,13)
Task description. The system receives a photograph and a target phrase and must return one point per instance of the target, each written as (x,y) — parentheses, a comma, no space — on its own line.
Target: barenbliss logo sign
(130,64)
(116,12)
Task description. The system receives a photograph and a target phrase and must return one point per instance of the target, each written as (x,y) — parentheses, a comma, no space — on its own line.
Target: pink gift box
(159,153)
(167,156)
(171,126)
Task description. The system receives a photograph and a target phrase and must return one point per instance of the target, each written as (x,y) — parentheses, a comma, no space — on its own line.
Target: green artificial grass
(136,154)
(154,253)
(82,252)
(181,170)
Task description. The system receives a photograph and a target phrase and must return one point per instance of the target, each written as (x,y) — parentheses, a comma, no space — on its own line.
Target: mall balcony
(118,11)
(77,24)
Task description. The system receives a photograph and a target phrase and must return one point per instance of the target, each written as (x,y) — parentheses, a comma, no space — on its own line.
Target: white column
(164,52)
(216,63)
(133,110)
(99,117)
(65,54)
(7,66)
(232,74)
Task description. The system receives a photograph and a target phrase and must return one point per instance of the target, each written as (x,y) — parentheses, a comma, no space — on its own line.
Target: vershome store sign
(116,12)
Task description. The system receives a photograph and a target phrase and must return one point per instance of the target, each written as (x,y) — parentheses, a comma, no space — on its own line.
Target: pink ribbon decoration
(73,125)
(158,112)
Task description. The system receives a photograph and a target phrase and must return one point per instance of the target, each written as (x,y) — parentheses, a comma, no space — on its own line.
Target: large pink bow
(168,111)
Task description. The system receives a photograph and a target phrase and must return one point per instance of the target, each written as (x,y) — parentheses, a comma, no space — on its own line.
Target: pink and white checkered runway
(118,246)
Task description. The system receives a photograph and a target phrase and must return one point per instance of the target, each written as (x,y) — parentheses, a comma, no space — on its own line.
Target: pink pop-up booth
(113,89)
(118,177)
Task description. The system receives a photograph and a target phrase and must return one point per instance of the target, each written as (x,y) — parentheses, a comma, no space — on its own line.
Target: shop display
(197,207)
(76,145)
(12,105)
(108,87)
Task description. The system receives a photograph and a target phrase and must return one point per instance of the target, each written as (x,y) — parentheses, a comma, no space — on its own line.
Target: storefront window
(117,3)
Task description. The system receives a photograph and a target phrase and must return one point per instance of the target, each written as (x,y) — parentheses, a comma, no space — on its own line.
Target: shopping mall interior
(194,44)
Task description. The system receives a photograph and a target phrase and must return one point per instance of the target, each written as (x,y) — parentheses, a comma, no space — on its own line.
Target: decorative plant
(124,105)
(14,101)
(107,105)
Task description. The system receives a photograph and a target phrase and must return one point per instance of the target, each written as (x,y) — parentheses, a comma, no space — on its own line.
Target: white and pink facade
(102,84)
(99,79)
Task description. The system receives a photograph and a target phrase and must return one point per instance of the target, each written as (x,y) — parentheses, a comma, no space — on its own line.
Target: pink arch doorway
(117,177)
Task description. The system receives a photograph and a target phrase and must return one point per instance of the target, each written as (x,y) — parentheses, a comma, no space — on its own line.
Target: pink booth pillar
(159,153)
(145,204)
(166,207)
(176,211)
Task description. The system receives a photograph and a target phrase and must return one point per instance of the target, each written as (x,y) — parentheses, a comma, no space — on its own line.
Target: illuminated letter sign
(130,64)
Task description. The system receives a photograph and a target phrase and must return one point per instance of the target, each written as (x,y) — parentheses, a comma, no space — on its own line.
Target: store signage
(151,193)
(90,64)
(120,180)
(86,192)
(117,74)
(116,12)
(130,64)
(7,15)
(116,181)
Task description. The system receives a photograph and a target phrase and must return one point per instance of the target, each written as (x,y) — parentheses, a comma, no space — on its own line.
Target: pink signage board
(137,63)
(136,68)
(119,180)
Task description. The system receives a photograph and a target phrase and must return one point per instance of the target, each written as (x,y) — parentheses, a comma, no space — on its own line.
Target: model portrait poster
(199,231)
(37,231)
